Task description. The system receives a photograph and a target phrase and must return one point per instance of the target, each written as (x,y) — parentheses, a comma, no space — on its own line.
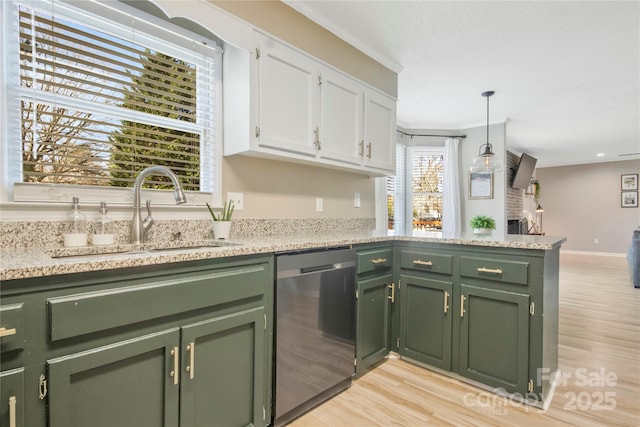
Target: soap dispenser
(76,226)
(103,228)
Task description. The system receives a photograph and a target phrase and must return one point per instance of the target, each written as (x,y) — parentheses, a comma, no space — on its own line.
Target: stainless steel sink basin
(148,248)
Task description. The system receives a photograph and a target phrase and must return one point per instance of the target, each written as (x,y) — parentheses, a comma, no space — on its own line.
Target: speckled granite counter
(20,263)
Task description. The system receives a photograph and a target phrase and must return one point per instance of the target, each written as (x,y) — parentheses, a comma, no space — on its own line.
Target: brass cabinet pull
(176,366)
(392,297)
(420,262)
(462,305)
(489,270)
(4,332)
(361,149)
(12,411)
(446,301)
(191,348)
(369,150)
(379,260)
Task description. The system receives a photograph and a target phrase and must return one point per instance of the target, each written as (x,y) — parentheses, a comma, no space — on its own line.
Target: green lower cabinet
(206,373)
(222,382)
(373,309)
(426,320)
(130,383)
(494,338)
(12,397)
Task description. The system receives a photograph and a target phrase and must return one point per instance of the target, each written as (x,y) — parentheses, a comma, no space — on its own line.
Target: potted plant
(482,224)
(222,221)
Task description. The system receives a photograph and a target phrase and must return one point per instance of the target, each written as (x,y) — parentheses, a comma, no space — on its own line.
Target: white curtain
(451,225)
(381,204)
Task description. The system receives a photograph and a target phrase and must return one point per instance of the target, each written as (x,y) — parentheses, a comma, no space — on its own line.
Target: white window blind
(103,96)
(426,187)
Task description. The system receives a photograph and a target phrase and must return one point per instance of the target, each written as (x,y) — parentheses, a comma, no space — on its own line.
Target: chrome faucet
(139,227)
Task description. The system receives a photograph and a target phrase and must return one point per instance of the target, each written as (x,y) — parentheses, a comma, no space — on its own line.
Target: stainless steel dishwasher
(315,329)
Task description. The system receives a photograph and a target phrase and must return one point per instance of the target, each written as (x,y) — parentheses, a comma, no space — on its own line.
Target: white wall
(468,150)
(582,202)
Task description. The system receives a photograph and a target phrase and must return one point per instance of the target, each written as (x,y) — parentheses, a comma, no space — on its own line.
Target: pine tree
(137,145)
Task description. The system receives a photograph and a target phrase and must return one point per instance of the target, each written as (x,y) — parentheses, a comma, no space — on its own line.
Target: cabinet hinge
(398,284)
(257,132)
(355,361)
(319,80)
(257,53)
(398,344)
(265,322)
(264,413)
(357,294)
(530,386)
(42,387)
(532,309)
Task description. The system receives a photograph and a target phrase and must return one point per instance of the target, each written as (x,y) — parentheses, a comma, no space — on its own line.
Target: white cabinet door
(341,118)
(288,99)
(379,131)
(298,109)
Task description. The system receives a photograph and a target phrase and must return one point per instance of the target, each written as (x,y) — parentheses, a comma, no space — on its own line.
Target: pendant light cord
(488,119)
(487,95)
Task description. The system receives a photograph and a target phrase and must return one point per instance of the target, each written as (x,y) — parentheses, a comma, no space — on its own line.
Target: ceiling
(566,74)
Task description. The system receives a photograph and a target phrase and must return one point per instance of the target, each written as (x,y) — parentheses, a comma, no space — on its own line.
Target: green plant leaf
(482,221)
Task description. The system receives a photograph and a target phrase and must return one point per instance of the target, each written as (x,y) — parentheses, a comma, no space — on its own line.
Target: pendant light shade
(486,160)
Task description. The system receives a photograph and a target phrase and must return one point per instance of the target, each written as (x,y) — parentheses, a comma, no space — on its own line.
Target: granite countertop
(21,263)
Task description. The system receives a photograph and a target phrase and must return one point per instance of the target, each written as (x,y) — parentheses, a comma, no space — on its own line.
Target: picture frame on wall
(629,199)
(629,182)
(480,185)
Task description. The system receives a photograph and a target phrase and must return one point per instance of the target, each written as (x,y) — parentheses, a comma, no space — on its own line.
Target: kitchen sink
(134,249)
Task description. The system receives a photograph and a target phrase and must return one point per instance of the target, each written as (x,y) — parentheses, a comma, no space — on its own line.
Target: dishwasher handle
(317,268)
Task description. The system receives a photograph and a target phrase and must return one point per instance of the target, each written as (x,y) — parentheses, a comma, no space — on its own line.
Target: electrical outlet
(237,199)
(356,200)
(596,241)
(319,206)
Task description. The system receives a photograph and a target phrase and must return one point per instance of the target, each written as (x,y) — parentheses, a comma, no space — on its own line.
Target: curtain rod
(436,136)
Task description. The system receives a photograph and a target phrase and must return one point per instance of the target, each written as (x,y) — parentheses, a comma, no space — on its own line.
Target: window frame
(14,191)
(404,193)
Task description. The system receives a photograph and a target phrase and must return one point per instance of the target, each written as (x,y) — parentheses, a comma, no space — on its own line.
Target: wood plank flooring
(599,354)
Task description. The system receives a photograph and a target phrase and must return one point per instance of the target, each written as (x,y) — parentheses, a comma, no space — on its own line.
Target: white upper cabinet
(341,118)
(302,110)
(379,131)
(288,99)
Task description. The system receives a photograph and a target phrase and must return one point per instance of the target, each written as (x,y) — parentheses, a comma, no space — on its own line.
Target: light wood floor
(599,334)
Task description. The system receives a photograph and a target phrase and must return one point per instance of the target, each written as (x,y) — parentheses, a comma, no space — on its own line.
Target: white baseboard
(613,254)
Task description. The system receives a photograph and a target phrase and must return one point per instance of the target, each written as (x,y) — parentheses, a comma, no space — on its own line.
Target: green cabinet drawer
(11,327)
(426,261)
(374,260)
(498,270)
(89,312)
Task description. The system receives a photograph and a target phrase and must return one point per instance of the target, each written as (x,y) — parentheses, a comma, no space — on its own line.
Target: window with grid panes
(426,187)
(104,92)
(414,194)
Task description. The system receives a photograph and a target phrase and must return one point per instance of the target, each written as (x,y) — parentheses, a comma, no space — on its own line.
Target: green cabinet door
(130,383)
(224,373)
(12,397)
(426,320)
(373,308)
(494,337)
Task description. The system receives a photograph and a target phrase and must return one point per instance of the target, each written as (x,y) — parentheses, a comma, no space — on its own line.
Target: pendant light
(486,160)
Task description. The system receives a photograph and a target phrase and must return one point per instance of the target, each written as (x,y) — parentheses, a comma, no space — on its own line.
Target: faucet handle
(148,221)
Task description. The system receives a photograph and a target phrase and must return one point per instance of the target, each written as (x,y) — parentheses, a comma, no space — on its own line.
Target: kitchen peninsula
(158,316)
